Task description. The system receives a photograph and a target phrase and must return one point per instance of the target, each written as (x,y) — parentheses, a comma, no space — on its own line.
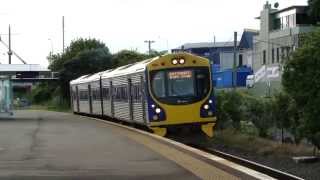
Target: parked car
(250,81)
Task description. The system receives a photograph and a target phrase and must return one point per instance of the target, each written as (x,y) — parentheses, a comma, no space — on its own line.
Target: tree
(232,106)
(56,61)
(281,102)
(301,79)
(83,56)
(259,112)
(314,9)
(222,116)
(86,62)
(125,57)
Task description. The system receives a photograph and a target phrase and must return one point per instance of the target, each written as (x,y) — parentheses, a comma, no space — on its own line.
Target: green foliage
(222,116)
(259,112)
(229,109)
(42,93)
(125,57)
(301,79)
(314,8)
(56,61)
(83,56)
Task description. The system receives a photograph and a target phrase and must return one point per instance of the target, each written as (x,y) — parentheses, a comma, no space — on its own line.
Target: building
(221,55)
(279,35)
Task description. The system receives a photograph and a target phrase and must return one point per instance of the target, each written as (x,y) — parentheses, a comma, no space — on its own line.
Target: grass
(260,146)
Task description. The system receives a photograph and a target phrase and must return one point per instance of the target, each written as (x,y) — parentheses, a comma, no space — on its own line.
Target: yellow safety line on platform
(211,157)
(199,168)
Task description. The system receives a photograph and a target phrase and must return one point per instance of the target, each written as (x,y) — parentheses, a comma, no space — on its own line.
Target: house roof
(207,45)
(289,8)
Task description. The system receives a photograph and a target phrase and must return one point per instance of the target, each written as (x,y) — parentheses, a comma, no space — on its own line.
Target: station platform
(53,145)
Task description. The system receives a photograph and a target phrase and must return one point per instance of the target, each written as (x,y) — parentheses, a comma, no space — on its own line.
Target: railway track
(247,163)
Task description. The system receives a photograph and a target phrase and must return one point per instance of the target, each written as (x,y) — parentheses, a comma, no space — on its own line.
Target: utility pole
(234,73)
(62,34)
(9,52)
(149,45)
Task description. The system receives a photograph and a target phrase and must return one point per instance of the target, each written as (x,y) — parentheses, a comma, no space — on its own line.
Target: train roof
(119,71)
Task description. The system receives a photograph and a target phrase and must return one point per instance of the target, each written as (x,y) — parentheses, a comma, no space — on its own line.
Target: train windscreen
(180,86)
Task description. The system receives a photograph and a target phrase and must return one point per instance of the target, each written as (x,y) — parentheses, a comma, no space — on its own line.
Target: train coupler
(208,129)
(159,131)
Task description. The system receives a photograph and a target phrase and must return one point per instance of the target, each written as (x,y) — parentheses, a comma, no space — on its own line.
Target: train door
(111,99)
(101,96)
(77,99)
(90,98)
(130,99)
(143,99)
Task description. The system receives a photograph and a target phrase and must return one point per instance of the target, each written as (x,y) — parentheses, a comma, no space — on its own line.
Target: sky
(36,25)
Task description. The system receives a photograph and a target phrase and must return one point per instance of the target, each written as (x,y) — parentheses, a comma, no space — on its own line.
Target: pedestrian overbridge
(27,72)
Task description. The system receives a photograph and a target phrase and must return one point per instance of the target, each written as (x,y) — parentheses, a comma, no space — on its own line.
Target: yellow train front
(180,93)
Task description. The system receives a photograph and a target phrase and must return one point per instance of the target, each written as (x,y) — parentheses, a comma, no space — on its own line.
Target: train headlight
(210,101)
(153,106)
(174,61)
(182,61)
(158,110)
(206,107)
(155,117)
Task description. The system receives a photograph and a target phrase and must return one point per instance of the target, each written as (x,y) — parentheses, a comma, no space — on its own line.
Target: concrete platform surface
(52,145)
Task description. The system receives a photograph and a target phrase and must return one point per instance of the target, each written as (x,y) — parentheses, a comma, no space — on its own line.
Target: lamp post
(149,42)
(51,43)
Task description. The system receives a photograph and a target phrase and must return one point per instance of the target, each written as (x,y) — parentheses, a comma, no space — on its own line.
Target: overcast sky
(123,24)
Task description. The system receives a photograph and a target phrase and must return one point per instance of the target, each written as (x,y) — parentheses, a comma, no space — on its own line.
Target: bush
(41,93)
(229,109)
(259,112)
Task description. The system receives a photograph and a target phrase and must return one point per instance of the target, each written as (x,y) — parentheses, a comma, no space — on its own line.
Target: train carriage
(160,93)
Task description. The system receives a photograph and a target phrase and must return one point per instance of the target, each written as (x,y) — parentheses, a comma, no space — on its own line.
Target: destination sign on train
(180,74)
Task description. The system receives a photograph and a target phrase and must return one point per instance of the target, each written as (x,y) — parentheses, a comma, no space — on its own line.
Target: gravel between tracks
(284,163)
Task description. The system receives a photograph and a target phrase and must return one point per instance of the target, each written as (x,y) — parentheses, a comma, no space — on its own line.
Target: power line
(10,52)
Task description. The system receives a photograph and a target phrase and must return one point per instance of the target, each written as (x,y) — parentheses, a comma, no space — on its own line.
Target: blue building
(221,55)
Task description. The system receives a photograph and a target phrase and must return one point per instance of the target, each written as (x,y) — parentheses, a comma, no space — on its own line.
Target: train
(162,93)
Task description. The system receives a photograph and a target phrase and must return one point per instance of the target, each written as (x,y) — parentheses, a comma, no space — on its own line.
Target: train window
(121,93)
(136,92)
(202,82)
(106,93)
(84,95)
(181,83)
(96,94)
(180,86)
(158,84)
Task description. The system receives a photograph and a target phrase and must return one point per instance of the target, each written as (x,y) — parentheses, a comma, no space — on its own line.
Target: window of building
(264,57)
(276,23)
(287,22)
(240,60)
(272,55)
(278,55)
